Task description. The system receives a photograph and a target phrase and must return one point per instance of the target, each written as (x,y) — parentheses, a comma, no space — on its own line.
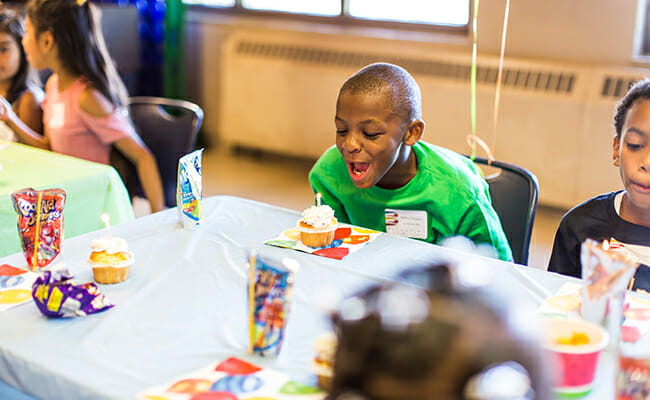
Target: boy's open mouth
(358,169)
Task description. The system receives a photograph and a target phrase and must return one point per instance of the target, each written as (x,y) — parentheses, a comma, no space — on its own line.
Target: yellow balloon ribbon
(497,96)
(473,76)
(473,139)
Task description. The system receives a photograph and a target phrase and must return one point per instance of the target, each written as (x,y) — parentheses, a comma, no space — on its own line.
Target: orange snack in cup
(576,339)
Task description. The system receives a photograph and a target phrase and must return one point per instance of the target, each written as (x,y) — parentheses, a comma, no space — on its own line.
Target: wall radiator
(278,94)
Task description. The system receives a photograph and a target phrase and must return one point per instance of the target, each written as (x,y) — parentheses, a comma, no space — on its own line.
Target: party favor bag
(189,190)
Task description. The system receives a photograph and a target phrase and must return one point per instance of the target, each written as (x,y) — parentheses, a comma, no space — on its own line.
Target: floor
(282,181)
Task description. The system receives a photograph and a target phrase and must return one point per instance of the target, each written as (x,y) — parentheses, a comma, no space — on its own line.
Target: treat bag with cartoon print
(189,190)
(40,224)
(270,284)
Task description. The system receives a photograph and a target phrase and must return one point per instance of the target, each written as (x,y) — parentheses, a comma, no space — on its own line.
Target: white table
(184,305)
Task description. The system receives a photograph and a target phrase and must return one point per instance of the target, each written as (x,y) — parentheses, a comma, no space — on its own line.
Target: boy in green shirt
(381,176)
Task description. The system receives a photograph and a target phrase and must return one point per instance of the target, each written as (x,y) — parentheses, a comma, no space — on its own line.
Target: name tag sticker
(406,223)
(58,115)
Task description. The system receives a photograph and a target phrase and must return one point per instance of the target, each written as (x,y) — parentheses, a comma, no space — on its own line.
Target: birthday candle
(106,219)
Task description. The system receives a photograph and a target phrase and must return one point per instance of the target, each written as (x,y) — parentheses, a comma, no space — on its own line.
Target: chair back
(514,192)
(169,128)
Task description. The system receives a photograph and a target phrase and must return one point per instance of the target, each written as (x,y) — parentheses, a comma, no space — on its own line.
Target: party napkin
(347,239)
(636,312)
(232,379)
(15,286)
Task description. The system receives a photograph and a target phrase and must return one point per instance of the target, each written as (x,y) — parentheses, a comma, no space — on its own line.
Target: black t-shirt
(596,219)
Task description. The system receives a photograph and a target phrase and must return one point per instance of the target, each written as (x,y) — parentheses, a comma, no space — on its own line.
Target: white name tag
(58,115)
(407,223)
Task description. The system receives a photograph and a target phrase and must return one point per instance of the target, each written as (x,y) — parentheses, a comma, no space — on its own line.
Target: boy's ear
(414,132)
(616,147)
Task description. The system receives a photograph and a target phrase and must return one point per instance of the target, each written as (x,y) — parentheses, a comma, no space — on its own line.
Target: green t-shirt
(447,186)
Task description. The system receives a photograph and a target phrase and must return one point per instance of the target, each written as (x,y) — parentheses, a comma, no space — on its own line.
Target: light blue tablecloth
(91,188)
(184,305)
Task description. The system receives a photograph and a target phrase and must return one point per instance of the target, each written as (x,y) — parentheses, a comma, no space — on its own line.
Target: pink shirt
(73,132)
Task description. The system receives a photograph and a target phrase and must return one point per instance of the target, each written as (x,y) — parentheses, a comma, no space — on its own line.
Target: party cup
(575,345)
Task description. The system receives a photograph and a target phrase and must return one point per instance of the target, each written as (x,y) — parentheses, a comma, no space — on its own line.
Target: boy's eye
(633,146)
(341,132)
(372,135)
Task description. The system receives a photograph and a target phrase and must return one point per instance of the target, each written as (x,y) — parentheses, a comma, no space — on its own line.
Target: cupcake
(110,260)
(317,225)
(323,363)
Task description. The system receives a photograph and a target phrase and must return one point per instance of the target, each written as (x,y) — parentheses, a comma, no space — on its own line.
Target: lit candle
(107,222)
(318,196)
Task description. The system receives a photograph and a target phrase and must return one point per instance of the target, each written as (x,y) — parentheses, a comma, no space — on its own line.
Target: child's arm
(138,153)
(28,109)
(94,104)
(25,133)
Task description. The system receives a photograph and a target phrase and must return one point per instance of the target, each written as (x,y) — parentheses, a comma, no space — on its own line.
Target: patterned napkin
(636,311)
(347,239)
(232,379)
(15,286)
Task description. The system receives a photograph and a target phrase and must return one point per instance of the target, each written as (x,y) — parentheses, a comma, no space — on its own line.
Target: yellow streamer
(497,96)
(473,139)
(473,76)
(37,233)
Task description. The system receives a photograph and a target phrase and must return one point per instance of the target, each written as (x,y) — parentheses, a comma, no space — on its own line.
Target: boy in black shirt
(623,215)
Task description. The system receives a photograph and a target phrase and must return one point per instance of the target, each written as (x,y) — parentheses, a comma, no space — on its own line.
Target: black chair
(169,128)
(514,191)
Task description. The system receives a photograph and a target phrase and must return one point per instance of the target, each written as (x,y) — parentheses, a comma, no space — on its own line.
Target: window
(447,13)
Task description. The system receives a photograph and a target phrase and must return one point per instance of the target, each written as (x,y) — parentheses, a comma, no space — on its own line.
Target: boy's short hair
(640,90)
(378,78)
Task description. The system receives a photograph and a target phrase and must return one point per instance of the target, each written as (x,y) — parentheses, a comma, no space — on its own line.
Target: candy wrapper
(270,285)
(40,224)
(57,296)
(605,277)
(189,190)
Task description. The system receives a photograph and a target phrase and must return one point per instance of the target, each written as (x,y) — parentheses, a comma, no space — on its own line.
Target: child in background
(623,215)
(84,111)
(19,83)
(383,177)
(440,342)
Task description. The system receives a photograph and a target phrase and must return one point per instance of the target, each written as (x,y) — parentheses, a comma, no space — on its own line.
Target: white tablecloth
(184,305)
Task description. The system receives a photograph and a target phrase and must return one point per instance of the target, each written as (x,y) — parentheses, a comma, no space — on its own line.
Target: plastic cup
(575,363)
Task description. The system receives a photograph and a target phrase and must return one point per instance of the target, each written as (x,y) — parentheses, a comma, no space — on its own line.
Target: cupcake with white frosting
(110,259)
(317,225)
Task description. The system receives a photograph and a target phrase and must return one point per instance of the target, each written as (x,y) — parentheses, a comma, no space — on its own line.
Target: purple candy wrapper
(58,297)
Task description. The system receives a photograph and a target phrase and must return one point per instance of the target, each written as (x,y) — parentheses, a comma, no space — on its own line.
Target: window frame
(341,20)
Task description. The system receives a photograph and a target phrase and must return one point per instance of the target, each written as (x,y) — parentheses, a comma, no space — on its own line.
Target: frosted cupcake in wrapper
(40,224)
(110,258)
(189,190)
(323,363)
(270,285)
(318,225)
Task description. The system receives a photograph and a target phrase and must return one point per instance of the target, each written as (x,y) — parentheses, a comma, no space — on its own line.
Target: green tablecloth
(92,189)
